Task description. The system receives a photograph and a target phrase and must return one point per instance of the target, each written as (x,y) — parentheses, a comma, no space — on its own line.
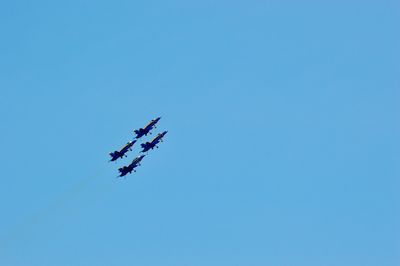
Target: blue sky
(283,142)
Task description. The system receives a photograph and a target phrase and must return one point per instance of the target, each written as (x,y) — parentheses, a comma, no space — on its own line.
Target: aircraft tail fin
(114,154)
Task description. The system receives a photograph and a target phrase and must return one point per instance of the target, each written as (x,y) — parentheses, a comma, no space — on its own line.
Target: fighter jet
(153,143)
(146,130)
(131,167)
(121,153)
(138,159)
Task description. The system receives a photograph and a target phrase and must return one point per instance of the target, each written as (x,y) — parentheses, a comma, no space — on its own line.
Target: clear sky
(283,145)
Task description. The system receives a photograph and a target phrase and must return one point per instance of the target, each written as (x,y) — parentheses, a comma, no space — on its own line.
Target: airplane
(131,167)
(138,159)
(146,130)
(121,153)
(153,143)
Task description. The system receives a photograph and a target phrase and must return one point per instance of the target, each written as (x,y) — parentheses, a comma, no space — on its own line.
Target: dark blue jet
(146,130)
(131,167)
(121,153)
(150,145)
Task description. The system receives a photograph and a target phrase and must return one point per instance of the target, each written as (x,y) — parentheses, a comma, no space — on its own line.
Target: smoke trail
(28,224)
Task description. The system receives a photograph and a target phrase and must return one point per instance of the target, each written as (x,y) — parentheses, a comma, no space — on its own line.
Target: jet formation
(146,146)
